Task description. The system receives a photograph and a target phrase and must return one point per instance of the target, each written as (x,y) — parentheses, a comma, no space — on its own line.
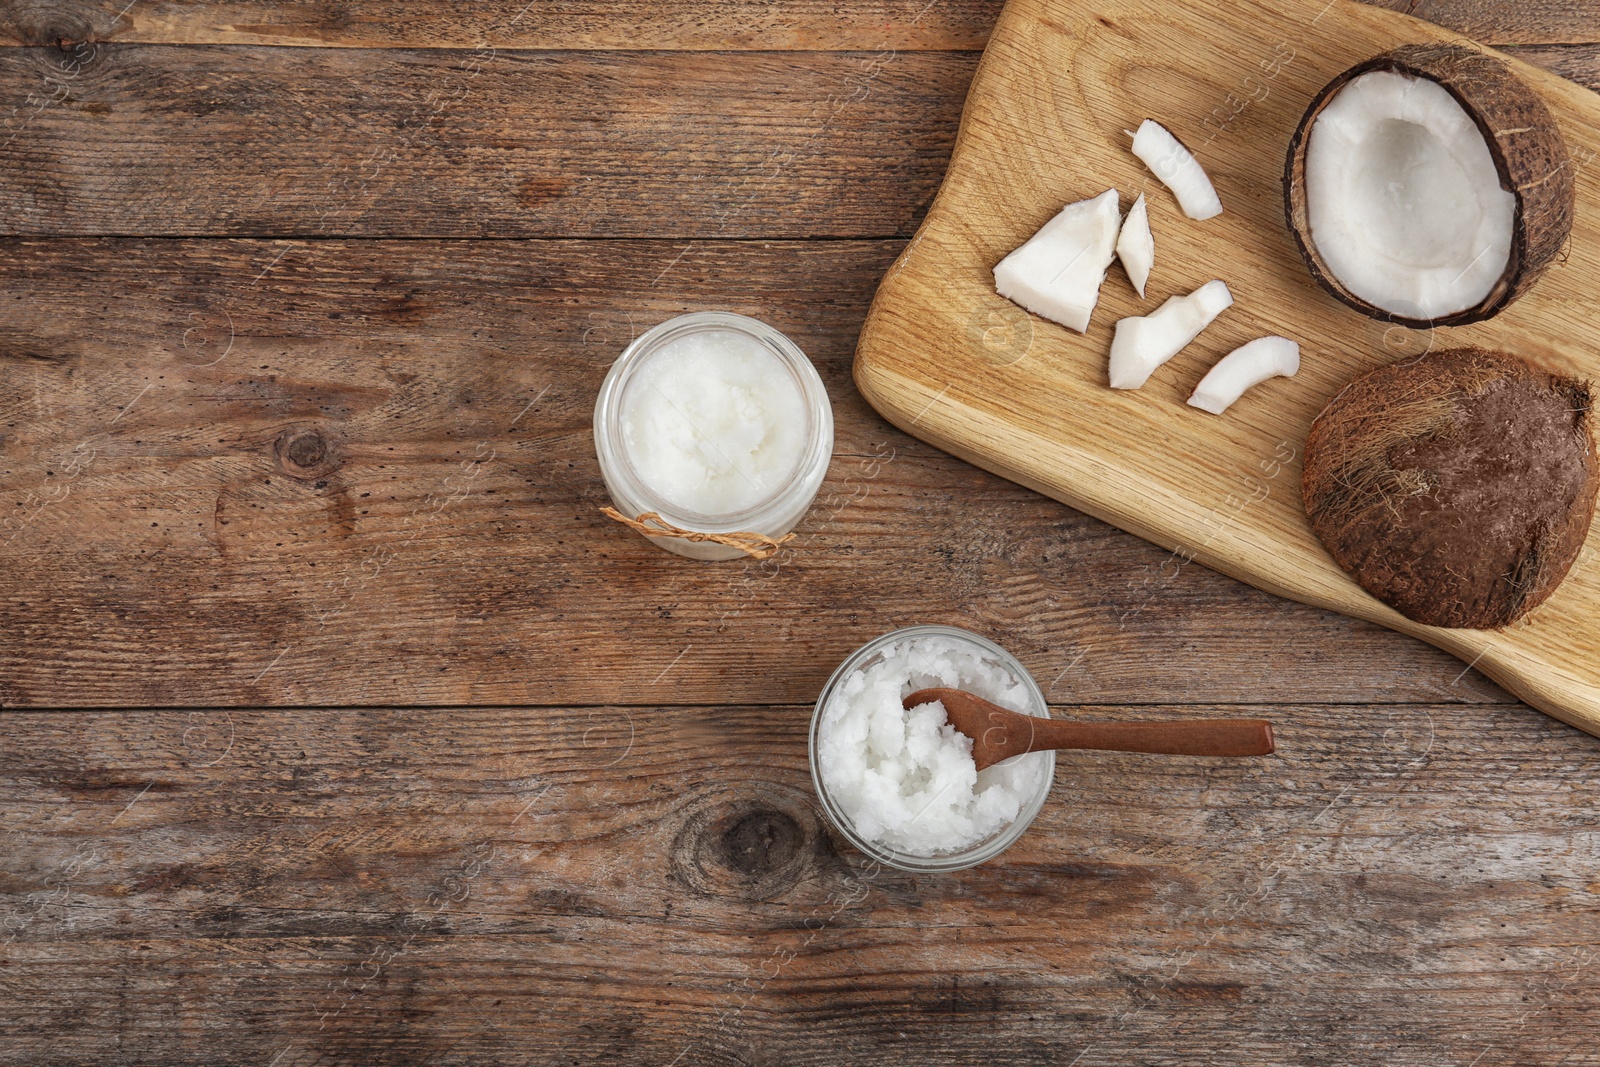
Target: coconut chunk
(1244,368)
(1058,272)
(1178,170)
(1136,248)
(1144,342)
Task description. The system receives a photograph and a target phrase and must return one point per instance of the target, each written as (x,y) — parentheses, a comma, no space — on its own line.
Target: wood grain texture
(164,543)
(359,472)
(674,25)
(155,139)
(967,370)
(1520,22)
(1405,885)
(641,24)
(1577,63)
(136,139)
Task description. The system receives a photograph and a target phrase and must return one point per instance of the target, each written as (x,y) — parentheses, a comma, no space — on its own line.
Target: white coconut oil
(714,422)
(718,424)
(905,779)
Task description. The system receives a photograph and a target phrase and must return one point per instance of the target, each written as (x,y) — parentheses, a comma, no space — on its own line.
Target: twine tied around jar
(754,545)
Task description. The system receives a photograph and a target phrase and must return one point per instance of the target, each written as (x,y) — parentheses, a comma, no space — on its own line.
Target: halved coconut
(1428,186)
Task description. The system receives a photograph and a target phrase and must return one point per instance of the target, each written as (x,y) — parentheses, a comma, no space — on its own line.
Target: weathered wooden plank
(1401,884)
(1579,63)
(684,25)
(137,139)
(142,139)
(164,544)
(664,24)
(1518,22)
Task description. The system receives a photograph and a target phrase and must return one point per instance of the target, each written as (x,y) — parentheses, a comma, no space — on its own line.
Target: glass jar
(973,854)
(776,513)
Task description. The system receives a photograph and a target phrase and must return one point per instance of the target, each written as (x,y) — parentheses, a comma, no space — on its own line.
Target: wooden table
(347,730)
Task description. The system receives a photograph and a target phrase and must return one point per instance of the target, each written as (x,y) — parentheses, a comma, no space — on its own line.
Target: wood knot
(42,24)
(306,452)
(75,52)
(760,842)
(747,848)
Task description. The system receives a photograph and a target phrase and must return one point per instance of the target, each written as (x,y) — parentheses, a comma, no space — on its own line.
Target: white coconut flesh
(1144,342)
(1057,273)
(1136,248)
(1403,198)
(1178,170)
(1244,368)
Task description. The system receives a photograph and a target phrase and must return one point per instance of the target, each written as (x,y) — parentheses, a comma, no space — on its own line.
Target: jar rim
(815,452)
(972,855)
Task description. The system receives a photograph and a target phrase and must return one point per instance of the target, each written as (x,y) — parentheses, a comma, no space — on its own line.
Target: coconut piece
(1178,170)
(1428,186)
(1058,272)
(1457,488)
(1245,367)
(1136,247)
(1144,342)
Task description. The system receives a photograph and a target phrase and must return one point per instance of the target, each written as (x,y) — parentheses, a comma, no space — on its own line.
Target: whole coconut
(1457,488)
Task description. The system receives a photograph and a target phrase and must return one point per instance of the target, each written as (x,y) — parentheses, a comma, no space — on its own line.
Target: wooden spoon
(999,734)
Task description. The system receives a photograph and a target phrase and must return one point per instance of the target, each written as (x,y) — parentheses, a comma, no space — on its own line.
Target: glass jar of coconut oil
(718,426)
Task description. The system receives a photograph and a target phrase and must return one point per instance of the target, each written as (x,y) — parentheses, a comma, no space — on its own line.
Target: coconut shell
(1523,140)
(1457,488)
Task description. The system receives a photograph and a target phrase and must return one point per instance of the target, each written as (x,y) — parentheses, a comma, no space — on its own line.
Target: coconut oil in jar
(718,424)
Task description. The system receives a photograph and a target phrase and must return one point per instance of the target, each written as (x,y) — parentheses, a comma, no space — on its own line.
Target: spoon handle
(1189,737)
(998,733)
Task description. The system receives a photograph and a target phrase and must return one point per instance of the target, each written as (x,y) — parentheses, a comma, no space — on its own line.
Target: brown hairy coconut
(1457,488)
(1428,186)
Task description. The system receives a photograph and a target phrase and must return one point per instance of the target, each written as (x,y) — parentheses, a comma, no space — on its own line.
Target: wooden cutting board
(945,358)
